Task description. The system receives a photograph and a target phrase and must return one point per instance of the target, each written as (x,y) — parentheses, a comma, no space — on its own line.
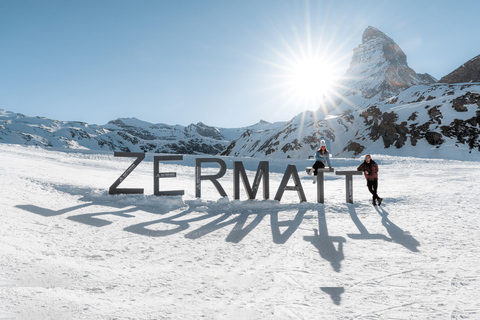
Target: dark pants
(372,186)
(317,165)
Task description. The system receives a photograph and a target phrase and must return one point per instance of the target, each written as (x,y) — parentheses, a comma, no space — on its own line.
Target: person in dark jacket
(370,169)
(322,157)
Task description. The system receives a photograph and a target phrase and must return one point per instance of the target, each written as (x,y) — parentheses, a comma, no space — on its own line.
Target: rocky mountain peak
(467,72)
(373,33)
(379,68)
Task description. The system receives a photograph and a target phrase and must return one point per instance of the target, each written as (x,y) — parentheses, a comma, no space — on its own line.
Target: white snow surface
(69,250)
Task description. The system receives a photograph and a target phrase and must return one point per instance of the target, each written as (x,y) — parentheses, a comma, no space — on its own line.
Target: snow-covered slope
(69,250)
(428,121)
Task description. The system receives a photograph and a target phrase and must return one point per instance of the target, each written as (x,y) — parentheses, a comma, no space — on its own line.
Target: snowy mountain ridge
(124,134)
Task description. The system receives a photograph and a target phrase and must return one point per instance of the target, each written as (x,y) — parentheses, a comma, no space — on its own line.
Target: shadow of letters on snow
(82,218)
(193,211)
(221,220)
(292,225)
(239,230)
(90,219)
(48,212)
(325,243)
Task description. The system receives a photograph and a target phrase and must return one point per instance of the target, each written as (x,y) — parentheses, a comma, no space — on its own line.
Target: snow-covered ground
(69,250)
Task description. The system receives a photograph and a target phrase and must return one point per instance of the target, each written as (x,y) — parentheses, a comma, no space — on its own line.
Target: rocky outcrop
(455,119)
(467,72)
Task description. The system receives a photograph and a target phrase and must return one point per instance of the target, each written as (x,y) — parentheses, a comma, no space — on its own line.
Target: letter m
(262,172)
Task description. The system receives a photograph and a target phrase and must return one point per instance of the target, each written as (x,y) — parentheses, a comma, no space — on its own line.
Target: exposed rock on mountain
(431,121)
(467,72)
(450,117)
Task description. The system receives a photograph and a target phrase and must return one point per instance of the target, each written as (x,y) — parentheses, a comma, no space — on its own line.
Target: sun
(305,75)
(303,68)
(311,79)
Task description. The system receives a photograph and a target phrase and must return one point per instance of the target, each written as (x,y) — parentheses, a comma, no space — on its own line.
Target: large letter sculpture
(157,175)
(320,184)
(291,171)
(113,188)
(213,178)
(349,183)
(262,172)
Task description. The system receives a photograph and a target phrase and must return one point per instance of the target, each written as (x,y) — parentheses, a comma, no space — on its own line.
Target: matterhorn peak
(379,68)
(373,33)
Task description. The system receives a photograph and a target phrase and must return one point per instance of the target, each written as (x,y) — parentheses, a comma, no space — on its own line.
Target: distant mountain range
(126,134)
(384,107)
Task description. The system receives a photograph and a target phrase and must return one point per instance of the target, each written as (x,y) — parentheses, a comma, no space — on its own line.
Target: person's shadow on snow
(325,243)
(364,234)
(396,233)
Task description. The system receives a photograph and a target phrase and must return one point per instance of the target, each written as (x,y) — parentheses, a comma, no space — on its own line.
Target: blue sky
(218,62)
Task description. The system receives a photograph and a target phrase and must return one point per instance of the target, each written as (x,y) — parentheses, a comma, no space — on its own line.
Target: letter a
(291,171)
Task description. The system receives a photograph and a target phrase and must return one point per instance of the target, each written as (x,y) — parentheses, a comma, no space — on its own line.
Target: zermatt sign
(261,176)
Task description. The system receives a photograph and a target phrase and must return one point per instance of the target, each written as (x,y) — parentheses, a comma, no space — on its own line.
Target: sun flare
(311,79)
(306,79)
(306,68)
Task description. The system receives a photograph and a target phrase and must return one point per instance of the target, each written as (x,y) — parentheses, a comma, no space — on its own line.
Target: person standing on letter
(322,157)
(370,169)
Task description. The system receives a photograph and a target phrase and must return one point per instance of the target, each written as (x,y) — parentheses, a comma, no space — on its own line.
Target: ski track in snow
(69,250)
